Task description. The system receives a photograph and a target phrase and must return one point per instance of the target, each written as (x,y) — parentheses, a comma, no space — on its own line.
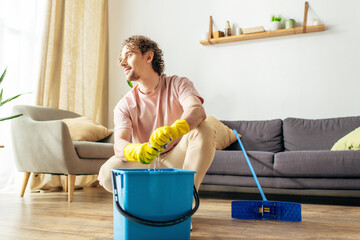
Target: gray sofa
(290,156)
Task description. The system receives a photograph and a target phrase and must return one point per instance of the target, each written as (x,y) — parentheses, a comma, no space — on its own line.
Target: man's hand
(162,136)
(140,152)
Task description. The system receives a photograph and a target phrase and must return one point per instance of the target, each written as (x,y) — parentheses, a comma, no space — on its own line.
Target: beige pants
(195,152)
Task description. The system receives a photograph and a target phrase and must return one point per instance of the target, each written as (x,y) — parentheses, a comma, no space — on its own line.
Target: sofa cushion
(234,163)
(94,150)
(319,134)
(85,129)
(323,163)
(224,135)
(258,135)
(239,181)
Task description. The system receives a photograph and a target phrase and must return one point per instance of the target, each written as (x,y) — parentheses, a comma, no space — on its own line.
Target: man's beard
(133,77)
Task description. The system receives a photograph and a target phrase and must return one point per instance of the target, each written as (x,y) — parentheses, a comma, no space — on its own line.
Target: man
(163,115)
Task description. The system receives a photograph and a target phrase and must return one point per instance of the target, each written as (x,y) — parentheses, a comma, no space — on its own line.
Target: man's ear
(149,55)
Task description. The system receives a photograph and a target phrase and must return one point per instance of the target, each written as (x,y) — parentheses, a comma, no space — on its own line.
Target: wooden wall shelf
(266,34)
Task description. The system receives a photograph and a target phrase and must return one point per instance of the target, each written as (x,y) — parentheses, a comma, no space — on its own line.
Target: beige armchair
(42,144)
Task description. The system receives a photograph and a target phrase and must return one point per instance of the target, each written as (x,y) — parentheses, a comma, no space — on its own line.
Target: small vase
(314,21)
(290,23)
(275,25)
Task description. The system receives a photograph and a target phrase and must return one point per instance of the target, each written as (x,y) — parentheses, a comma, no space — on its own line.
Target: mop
(271,210)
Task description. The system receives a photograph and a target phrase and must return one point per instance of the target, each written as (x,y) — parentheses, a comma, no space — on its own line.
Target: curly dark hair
(145,44)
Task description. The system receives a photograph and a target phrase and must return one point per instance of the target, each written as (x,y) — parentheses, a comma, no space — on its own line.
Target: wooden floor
(89,216)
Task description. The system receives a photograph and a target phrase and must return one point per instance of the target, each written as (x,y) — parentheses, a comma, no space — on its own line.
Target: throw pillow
(224,135)
(351,141)
(85,129)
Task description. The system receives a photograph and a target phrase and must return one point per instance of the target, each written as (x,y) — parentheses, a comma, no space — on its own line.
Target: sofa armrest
(42,146)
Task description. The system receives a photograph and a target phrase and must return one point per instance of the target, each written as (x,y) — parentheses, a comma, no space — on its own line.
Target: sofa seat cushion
(234,163)
(323,163)
(318,134)
(94,150)
(238,181)
(258,135)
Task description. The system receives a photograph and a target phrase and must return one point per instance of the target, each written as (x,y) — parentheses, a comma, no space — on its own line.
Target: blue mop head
(270,210)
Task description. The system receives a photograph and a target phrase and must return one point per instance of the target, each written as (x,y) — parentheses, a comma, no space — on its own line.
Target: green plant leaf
(3,75)
(130,84)
(276,18)
(10,99)
(11,117)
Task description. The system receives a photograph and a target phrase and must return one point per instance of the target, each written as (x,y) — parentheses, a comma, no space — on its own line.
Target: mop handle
(250,166)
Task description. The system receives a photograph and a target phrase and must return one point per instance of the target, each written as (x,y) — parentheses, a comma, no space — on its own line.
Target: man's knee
(105,172)
(206,132)
(105,175)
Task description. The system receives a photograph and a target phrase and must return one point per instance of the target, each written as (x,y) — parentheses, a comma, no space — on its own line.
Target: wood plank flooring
(89,216)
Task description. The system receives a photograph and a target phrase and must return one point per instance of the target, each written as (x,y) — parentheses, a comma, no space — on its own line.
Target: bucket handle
(152,222)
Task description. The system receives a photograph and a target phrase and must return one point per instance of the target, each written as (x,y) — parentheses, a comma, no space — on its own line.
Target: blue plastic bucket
(153,204)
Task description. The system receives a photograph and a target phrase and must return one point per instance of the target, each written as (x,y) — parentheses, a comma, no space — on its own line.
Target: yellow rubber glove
(179,128)
(140,152)
(162,136)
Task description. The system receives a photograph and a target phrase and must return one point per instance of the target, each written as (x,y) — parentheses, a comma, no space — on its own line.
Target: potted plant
(275,22)
(7,100)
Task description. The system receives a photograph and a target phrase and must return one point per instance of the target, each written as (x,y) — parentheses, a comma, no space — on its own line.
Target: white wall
(314,75)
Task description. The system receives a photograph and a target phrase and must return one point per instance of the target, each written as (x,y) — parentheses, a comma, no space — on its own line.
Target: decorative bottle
(227,29)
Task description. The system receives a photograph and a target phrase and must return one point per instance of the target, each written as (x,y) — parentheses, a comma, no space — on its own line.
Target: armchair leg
(25,181)
(66,184)
(71,187)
